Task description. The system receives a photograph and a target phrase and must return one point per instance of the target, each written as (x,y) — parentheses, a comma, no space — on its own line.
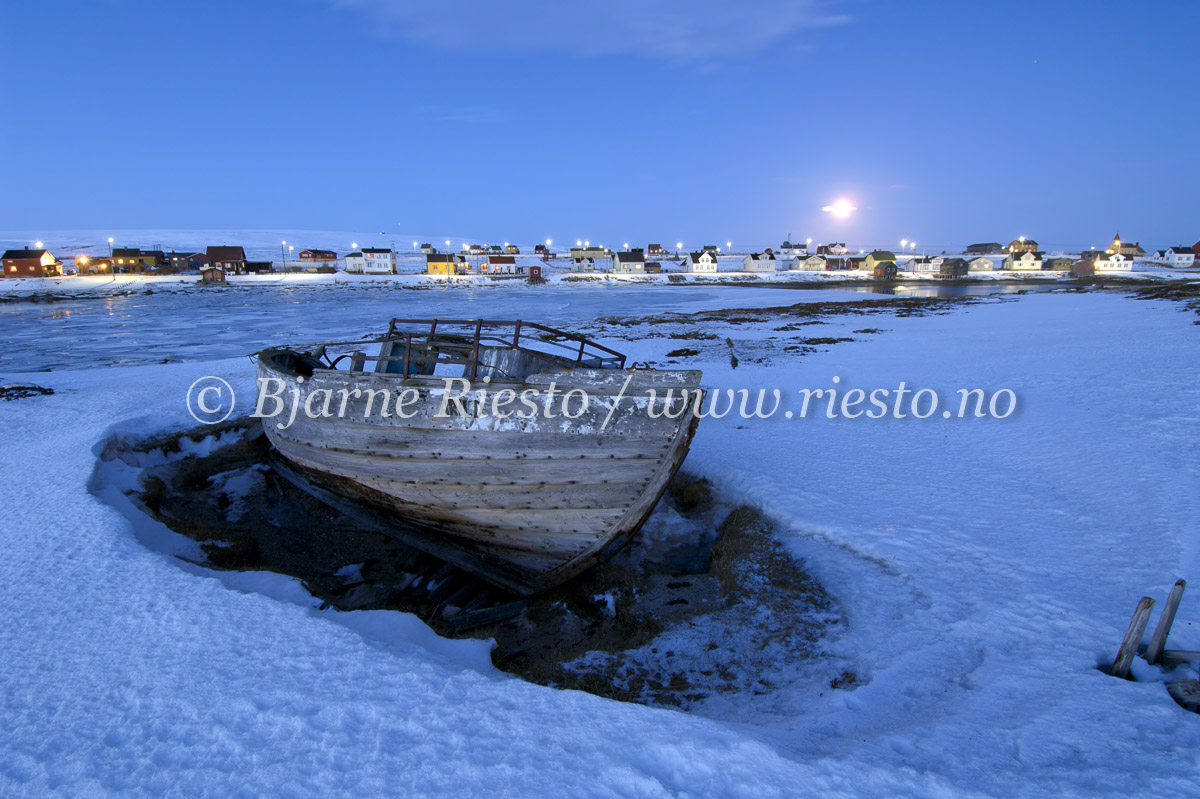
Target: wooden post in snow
(1133,637)
(1159,639)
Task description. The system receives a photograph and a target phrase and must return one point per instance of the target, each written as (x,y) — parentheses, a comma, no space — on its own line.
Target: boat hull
(525,501)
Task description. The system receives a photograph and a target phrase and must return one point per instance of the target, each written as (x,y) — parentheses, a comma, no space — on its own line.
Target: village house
(584,264)
(1175,256)
(1023,261)
(131,259)
(231,259)
(654,249)
(856,263)
(836,248)
(981,264)
(541,249)
(796,248)
(371,261)
(594,253)
(700,262)
(627,262)
(1129,250)
(318,256)
(1113,262)
(447,264)
(953,267)
(428,249)
(885,270)
(30,263)
(93,265)
(500,265)
(759,262)
(985,248)
(1057,264)
(212,274)
(1022,245)
(922,263)
(812,263)
(1084,268)
(512,249)
(184,261)
(878,258)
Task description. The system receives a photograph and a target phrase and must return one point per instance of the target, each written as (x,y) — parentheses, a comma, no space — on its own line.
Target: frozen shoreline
(986,569)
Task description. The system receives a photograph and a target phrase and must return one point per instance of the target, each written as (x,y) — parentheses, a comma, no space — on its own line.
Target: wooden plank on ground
(1159,639)
(1133,637)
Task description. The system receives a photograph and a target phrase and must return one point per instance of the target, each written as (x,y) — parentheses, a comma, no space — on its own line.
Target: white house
(759,262)
(628,262)
(371,261)
(813,263)
(922,263)
(1115,262)
(980,264)
(700,262)
(1175,256)
(1023,261)
(836,248)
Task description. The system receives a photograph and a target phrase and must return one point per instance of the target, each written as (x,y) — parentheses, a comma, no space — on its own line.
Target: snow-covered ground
(986,568)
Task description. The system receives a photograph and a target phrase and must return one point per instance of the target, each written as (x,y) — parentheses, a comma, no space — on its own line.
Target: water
(190,323)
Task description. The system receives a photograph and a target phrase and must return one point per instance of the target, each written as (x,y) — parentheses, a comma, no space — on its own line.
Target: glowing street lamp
(110,243)
(903,243)
(729,246)
(578,243)
(548,242)
(283,255)
(38,245)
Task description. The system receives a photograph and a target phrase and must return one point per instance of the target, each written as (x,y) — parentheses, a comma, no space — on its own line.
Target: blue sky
(701,121)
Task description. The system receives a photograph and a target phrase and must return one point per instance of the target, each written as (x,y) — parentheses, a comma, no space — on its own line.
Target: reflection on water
(193,324)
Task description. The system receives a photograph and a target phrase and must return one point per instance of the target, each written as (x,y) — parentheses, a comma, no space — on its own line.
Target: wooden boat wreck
(472,474)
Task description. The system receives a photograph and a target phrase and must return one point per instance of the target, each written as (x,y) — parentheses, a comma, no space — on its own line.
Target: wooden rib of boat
(525,501)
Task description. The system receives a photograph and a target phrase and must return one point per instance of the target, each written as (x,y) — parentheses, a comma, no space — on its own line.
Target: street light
(729,246)
(38,245)
(283,255)
(547,242)
(110,243)
(903,243)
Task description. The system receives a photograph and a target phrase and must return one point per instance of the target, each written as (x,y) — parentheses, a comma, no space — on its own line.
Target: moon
(841,209)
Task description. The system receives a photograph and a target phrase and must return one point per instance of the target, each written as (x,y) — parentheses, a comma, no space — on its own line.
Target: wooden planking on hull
(440,471)
(413,442)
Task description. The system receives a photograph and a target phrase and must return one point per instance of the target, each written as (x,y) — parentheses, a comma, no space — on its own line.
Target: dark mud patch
(800,314)
(704,603)
(23,391)
(1187,293)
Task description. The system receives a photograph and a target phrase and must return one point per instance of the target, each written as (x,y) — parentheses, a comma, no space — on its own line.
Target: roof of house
(22,255)
(758,256)
(225,253)
(438,257)
(376,250)
(882,255)
(1181,250)
(501,259)
(630,257)
(954,262)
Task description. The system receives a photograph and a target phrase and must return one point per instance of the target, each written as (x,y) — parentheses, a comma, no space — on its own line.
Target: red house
(318,255)
(30,263)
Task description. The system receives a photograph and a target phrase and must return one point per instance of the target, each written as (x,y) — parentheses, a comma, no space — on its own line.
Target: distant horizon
(732,121)
(87,241)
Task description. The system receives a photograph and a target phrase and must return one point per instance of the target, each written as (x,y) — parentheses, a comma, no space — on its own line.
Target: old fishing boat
(521,453)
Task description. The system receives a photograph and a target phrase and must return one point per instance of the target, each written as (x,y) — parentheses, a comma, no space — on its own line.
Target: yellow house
(878,258)
(440,263)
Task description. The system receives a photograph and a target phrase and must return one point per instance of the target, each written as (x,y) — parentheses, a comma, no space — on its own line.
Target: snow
(985,568)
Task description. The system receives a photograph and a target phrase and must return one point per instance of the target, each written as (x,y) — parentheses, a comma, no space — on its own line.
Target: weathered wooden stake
(1159,639)
(1133,637)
